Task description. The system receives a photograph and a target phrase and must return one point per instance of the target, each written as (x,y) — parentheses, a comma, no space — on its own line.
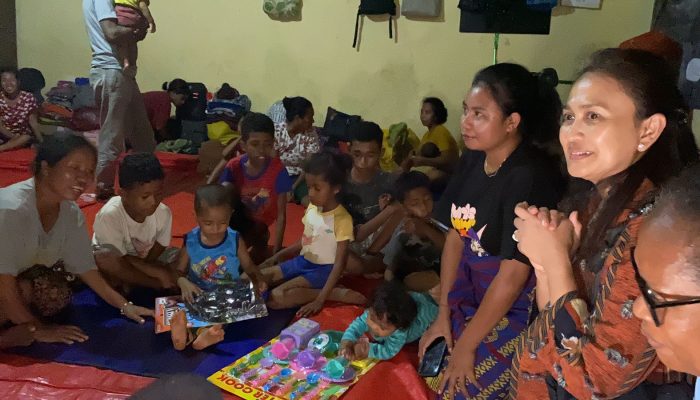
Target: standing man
(117,95)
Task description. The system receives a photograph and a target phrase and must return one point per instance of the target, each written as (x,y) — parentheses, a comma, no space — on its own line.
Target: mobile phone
(442,227)
(433,358)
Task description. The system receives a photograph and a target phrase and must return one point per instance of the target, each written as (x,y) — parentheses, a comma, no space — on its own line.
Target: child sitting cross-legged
(395,317)
(132,230)
(310,279)
(212,255)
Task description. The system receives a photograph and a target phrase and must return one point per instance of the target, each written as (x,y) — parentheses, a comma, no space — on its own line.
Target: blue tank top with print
(212,265)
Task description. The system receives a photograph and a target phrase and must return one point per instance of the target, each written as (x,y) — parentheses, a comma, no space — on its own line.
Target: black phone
(439,225)
(433,358)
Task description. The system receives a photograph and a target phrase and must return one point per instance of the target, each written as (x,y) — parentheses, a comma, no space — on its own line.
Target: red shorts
(131,17)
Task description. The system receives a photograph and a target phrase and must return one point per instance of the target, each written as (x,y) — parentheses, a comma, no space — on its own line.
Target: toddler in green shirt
(394,318)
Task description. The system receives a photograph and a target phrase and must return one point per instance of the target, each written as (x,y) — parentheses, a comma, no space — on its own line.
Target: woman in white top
(45,242)
(296,141)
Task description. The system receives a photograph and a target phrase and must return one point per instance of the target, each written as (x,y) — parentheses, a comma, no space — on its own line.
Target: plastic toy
(313,373)
(301,332)
(282,349)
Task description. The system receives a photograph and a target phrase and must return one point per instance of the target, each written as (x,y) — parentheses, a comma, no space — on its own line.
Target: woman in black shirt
(485,282)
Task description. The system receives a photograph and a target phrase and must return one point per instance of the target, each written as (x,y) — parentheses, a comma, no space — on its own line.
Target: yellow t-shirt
(323,231)
(441,137)
(130,3)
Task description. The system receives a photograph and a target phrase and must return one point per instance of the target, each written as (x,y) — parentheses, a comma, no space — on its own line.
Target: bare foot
(178,330)
(18,335)
(208,337)
(345,295)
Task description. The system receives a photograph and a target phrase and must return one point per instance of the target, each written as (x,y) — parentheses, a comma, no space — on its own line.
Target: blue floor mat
(121,345)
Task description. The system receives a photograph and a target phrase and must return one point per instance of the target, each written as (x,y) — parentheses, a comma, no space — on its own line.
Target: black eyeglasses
(651,297)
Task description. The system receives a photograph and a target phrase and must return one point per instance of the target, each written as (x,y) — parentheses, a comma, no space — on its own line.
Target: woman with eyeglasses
(624,133)
(667,262)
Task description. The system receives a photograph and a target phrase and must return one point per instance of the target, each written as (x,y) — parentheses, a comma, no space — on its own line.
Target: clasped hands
(546,237)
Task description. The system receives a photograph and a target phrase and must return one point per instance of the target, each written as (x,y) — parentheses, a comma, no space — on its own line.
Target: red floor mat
(24,378)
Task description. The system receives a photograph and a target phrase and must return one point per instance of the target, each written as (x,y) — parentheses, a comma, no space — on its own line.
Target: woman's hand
(136,313)
(552,219)
(540,243)
(17,336)
(460,369)
(67,334)
(407,163)
(188,289)
(440,328)
(310,309)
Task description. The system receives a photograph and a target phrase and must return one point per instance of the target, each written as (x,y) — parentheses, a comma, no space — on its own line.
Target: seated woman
(296,141)
(667,267)
(37,262)
(19,125)
(436,164)
(625,131)
(158,105)
(485,282)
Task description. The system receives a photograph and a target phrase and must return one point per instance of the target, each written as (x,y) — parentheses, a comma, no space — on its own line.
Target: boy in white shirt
(132,231)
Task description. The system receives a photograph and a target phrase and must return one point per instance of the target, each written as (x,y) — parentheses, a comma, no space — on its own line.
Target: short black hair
(332,166)
(680,197)
(409,181)
(439,109)
(366,131)
(58,146)
(212,195)
(9,70)
(430,150)
(392,300)
(178,86)
(296,107)
(139,168)
(256,122)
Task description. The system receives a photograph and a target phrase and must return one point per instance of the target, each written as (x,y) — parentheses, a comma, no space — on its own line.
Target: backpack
(375,7)
(337,126)
(195,106)
(421,8)
(282,9)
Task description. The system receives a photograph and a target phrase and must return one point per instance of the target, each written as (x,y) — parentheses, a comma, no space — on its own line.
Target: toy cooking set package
(302,363)
(228,303)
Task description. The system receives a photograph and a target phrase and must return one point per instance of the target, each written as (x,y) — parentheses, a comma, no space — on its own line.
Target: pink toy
(282,348)
(322,385)
(282,390)
(301,332)
(260,380)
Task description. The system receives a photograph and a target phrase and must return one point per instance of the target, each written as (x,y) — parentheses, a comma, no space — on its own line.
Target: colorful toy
(282,349)
(313,373)
(327,343)
(338,370)
(301,332)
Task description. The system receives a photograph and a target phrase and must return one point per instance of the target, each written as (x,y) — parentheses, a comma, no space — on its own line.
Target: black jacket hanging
(375,7)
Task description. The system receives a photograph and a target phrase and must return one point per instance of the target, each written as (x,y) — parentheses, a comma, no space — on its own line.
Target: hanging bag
(375,7)
(421,8)
(282,9)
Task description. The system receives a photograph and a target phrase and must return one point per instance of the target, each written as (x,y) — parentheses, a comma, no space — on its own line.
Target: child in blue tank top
(212,256)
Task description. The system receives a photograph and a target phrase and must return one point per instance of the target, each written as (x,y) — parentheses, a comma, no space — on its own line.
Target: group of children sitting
(132,234)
